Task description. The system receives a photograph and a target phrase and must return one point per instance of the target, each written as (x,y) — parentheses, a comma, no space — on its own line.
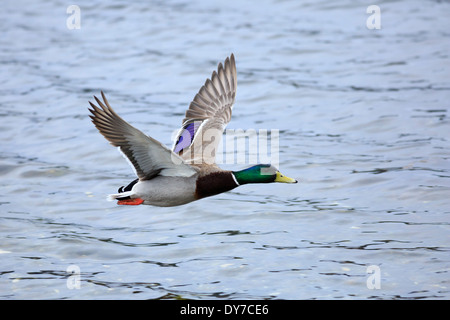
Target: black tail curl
(127,188)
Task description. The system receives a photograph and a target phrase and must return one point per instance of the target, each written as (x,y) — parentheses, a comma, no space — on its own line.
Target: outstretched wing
(148,156)
(207,116)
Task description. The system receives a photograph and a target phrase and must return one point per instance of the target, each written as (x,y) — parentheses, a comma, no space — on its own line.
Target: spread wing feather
(210,112)
(148,156)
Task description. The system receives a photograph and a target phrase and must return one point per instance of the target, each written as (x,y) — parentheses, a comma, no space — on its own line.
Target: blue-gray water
(364,125)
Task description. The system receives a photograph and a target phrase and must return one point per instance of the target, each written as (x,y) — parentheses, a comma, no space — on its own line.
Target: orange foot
(131,202)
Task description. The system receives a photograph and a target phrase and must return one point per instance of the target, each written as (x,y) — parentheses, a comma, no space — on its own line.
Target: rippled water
(364,125)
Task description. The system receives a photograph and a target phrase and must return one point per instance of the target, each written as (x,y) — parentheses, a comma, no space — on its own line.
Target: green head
(261,173)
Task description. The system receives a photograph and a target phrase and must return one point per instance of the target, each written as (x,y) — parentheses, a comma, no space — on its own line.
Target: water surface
(363,121)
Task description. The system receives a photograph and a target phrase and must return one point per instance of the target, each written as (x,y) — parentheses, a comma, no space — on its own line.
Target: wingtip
(105,100)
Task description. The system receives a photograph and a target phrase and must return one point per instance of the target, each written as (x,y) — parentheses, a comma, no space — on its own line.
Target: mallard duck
(188,172)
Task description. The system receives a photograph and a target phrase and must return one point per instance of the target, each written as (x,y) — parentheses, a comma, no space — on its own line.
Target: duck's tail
(120,196)
(125,198)
(125,195)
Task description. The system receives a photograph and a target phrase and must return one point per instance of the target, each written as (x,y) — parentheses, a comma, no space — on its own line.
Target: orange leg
(131,202)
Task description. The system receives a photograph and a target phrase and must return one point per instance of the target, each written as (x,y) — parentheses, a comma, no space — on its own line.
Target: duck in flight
(188,172)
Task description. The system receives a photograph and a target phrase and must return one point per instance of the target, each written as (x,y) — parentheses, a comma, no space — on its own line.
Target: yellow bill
(282,178)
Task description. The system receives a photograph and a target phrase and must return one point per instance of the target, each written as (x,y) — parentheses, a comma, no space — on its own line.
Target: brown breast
(213,183)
